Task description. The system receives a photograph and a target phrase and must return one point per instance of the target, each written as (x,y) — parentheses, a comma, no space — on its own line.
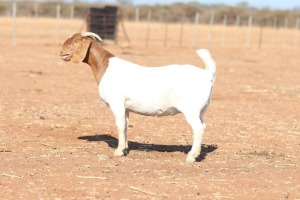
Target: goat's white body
(155,91)
(158,91)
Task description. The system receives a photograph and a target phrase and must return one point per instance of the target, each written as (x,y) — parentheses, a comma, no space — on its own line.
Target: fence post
(261,35)
(166,32)
(224,30)
(58,26)
(181,34)
(197,15)
(286,23)
(211,23)
(36,14)
(14,14)
(148,27)
(137,20)
(274,31)
(297,26)
(237,21)
(249,31)
(237,24)
(72,8)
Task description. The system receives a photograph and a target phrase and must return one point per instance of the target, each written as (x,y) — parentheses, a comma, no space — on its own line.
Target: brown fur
(98,59)
(84,49)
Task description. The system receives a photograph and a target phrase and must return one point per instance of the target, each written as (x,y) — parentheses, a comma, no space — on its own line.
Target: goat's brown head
(76,47)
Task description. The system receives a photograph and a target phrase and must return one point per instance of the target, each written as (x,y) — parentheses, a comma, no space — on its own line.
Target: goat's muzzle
(65,56)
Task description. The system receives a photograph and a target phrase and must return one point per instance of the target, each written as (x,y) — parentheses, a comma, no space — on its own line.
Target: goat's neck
(98,59)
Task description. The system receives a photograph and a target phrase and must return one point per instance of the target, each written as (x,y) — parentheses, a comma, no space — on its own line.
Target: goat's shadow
(113,143)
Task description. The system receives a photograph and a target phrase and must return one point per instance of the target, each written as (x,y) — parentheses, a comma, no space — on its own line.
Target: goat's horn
(94,36)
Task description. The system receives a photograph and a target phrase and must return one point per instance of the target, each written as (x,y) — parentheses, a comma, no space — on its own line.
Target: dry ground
(57,139)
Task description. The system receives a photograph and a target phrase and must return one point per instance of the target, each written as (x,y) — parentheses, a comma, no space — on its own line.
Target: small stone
(42,117)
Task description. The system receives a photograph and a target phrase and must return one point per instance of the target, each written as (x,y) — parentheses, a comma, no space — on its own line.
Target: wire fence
(32,30)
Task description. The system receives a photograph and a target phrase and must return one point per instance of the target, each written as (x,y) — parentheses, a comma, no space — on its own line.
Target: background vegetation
(177,12)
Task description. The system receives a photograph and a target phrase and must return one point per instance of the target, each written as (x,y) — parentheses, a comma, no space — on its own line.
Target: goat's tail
(208,61)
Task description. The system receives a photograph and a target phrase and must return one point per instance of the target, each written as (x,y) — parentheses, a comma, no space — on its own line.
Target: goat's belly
(150,110)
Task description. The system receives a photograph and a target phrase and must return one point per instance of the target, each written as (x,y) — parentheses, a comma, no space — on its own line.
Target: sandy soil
(57,139)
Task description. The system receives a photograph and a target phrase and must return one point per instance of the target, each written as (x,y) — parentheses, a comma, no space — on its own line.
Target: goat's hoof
(119,152)
(190,159)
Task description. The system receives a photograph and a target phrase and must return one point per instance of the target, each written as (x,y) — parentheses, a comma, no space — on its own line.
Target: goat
(152,91)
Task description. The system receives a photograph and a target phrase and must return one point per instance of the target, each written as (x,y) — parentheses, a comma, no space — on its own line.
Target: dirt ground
(57,139)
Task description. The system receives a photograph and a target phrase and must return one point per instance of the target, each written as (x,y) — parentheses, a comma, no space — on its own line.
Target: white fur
(158,91)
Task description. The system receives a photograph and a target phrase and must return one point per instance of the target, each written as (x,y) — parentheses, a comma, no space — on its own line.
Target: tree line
(178,12)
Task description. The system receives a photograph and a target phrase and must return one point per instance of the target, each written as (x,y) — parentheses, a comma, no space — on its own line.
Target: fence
(103,21)
(148,33)
(209,33)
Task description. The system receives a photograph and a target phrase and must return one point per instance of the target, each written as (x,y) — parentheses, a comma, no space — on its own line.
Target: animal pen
(103,21)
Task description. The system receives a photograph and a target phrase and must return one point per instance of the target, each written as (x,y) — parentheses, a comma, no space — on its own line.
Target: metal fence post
(297,26)
(58,25)
(137,20)
(224,30)
(14,15)
(181,34)
(166,33)
(72,8)
(250,19)
(274,28)
(148,27)
(237,24)
(196,29)
(36,8)
(211,23)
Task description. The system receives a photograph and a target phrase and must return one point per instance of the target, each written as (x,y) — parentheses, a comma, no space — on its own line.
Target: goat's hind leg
(198,127)
(126,128)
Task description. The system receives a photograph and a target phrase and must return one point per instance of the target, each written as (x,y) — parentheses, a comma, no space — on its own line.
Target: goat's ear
(80,50)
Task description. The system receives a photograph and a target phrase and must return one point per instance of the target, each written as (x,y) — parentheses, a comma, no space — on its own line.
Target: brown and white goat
(153,91)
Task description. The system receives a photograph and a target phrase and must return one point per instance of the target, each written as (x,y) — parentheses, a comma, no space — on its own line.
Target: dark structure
(103,21)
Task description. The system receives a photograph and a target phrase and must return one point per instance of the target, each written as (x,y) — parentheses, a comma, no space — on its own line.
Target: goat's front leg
(121,123)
